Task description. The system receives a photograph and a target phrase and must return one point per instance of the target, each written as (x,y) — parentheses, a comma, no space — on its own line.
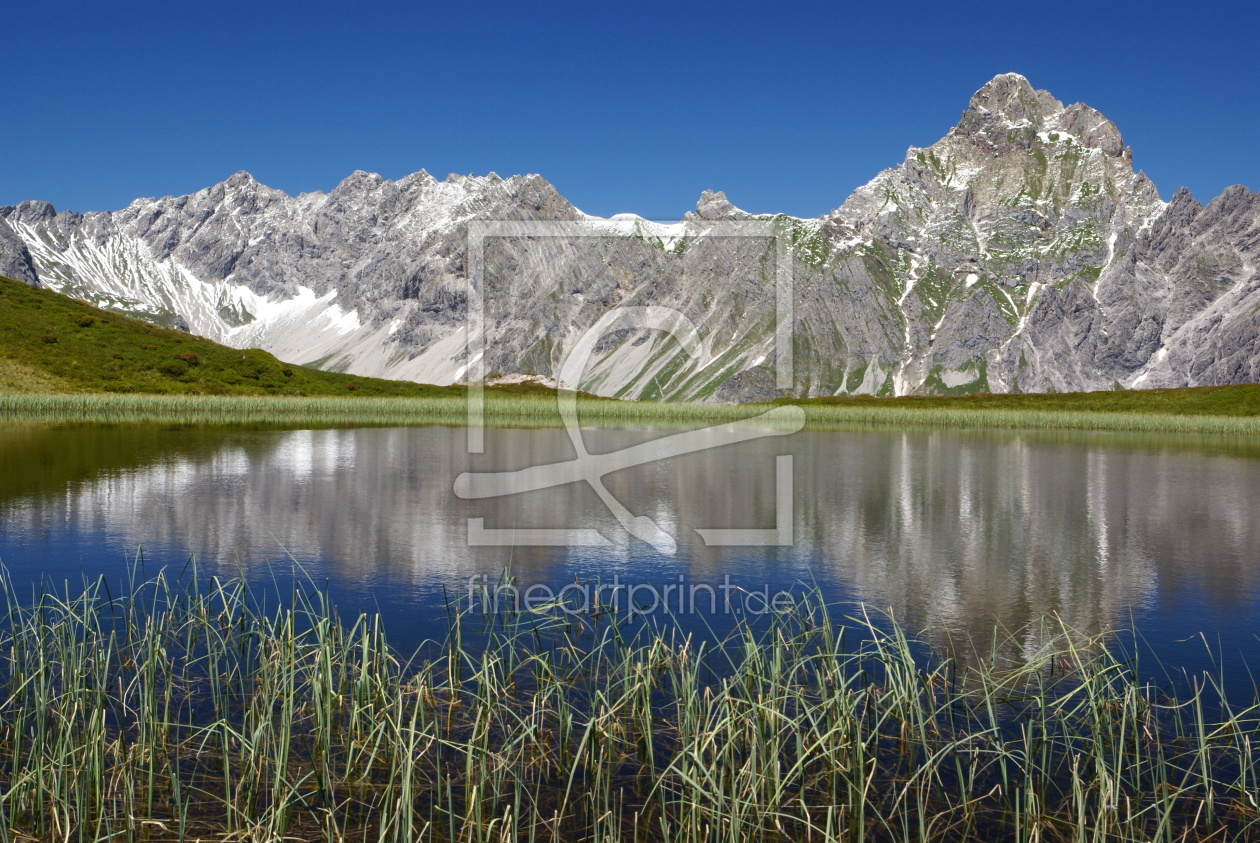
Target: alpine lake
(957,535)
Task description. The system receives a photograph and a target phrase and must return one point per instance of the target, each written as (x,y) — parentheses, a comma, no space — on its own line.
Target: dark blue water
(955,534)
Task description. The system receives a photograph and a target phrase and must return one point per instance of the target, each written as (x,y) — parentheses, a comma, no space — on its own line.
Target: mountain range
(1019,253)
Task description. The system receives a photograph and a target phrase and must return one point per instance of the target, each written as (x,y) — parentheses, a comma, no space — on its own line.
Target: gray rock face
(1021,252)
(1198,270)
(1179,309)
(15,259)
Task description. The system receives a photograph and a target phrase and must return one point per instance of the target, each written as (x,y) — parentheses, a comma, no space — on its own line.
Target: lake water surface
(955,532)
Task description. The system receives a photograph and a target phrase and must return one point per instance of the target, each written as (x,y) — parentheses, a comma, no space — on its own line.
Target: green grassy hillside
(1234,400)
(53,343)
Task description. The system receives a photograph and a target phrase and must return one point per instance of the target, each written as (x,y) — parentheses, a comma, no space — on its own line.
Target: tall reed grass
(525,410)
(187,710)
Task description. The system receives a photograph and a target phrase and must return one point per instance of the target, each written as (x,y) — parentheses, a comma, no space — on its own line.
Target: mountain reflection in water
(953,531)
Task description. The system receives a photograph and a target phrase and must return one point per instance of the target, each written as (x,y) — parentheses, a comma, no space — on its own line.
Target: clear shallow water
(956,532)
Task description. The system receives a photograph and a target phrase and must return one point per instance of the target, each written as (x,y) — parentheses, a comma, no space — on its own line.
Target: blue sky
(624,107)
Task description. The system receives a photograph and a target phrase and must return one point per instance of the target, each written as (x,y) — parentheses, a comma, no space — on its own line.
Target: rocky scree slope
(1021,252)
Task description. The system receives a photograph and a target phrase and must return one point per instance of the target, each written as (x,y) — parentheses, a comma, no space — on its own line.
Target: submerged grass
(184,711)
(539,410)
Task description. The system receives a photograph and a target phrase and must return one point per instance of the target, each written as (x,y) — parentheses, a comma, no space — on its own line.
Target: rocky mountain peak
(1236,212)
(714,206)
(32,211)
(357,183)
(241,180)
(239,191)
(1008,101)
(1182,201)
(1009,113)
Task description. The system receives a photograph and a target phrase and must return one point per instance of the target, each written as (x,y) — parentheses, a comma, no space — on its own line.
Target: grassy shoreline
(184,710)
(1052,412)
